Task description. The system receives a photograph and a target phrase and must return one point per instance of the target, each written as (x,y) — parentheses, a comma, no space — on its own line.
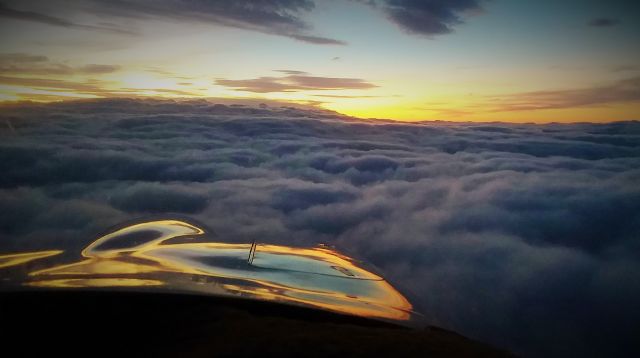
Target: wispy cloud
(346,96)
(317,40)
(627,90)
(293,82)
(29,64)
(625,68)
(34,16)
(60,88)
(87,87)
(292,72)
(277,17)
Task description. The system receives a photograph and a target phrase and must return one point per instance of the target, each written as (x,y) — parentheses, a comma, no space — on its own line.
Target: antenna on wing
(252,252)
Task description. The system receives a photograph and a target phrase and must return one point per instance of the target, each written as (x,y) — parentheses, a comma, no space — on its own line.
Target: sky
(464,60)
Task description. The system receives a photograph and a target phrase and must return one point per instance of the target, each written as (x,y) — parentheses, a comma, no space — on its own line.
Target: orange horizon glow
(398,112)
(392,107)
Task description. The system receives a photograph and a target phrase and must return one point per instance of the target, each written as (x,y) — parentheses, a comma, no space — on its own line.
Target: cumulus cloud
(294,81)
(521,235)
(278,17)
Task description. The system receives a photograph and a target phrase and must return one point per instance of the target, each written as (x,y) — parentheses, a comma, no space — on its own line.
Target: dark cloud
(427,17)
(627,90)
(525,236)
(294,81)
(278,17)
(603,22)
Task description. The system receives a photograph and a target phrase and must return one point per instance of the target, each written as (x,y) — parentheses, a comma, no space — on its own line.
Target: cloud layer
(522,235)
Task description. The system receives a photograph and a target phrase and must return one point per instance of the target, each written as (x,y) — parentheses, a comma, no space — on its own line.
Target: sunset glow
(509,61)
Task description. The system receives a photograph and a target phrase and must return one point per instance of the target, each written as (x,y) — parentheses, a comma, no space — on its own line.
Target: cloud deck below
(522,235)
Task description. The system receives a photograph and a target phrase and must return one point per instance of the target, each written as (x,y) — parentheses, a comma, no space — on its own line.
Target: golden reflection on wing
(22,258)
(96,282)
(167,254)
